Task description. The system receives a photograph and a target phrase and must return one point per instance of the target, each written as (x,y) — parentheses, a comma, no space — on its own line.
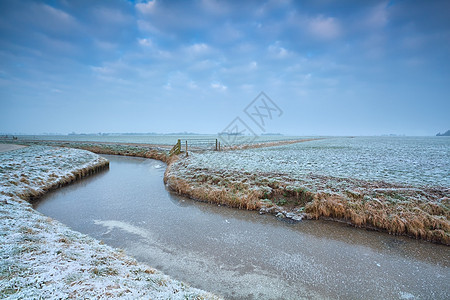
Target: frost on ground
(42,258)
(401,186)
(139,150)
(407,160)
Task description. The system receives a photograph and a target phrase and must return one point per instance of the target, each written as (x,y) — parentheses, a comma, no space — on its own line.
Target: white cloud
(227,33)
(375,46)
(50,19)
(198,49)
(324,28)
(192,85)
(204,65)
(177,80)
(116,71)
(104,45)
(276,51)
(146,7)
(247,87)
(148,27)
(378,16)
(107,15)
(145,42)
(218,86)
(215,7)
(414,62)
(58,15)
(58,46)
(102,70)
(167,86)
(238,70)
(271,5)
(245,48)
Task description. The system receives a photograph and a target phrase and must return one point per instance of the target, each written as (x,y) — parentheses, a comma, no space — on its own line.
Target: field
(414,161)
(400,185)
(153,139)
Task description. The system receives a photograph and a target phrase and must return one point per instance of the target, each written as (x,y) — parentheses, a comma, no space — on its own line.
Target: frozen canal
(241,254)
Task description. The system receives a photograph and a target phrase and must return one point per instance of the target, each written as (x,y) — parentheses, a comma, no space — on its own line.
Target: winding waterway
(241,254)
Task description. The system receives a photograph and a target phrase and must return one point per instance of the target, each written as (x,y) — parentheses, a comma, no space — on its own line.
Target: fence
(195,145)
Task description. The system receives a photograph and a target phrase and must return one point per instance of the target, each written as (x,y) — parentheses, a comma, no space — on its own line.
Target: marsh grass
(410,218)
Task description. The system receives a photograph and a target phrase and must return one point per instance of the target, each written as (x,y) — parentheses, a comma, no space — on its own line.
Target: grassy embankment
(32,195)
(125,149)
(421,213)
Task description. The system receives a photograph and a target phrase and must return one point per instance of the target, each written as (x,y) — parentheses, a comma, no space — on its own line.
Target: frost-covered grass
(139,150)
(265,144)
(405,160)
(154,139)
(328,179)
(42,258)
(30,171)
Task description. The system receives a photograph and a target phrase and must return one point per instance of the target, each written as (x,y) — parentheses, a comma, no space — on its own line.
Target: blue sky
(332,67)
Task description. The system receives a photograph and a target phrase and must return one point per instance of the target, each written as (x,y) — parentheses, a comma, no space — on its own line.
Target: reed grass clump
(411,218)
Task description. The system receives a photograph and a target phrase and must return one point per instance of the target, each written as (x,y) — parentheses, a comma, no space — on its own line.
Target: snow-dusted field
(42,258)
(400,185)
(404,160)
(9,147)
(156,139)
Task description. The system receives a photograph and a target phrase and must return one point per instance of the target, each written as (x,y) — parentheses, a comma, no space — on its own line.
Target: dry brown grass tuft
(407,219)
(400,210)
(219,195)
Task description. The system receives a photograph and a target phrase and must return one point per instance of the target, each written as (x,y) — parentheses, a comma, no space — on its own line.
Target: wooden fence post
(216,144)
(219,146)
(186,149)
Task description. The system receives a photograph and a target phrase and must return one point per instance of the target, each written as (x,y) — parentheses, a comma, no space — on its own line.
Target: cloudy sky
(332,67)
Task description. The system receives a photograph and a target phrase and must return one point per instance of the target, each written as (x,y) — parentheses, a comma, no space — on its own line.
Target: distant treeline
(447,133)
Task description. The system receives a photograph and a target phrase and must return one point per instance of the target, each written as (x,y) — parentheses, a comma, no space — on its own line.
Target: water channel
(241,254)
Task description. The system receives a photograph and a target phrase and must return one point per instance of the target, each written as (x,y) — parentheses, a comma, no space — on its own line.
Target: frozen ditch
(240,254)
